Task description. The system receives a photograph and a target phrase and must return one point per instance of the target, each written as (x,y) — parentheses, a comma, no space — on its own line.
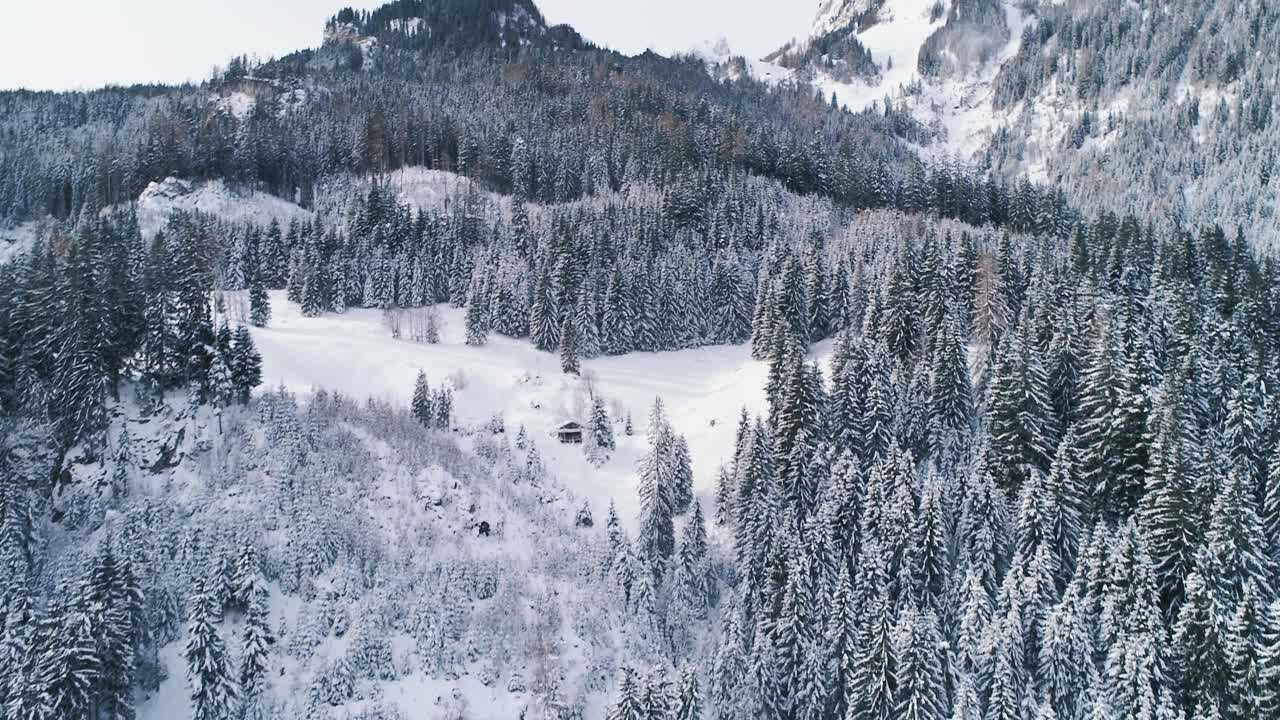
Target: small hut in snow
(570,432)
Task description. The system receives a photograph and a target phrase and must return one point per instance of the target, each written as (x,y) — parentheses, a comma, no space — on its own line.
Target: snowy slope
(894,43)
(16,241)
(409,503)
(703,389)
(957,108)
(213,197)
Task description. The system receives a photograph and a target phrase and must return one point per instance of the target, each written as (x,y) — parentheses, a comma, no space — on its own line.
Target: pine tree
(544,316)
(873,685)
(724,497)
(1235,551)
(1269,662)
(920,681)
(1022,435)
(600,440)
(255,649)
(1245,654)
(628,705)
(122,463)
(208,665)
(930,540)
(259,304)
(245,578)
(442,409)
(657,699)
(1200,645)
(569,347)
(422,406)
(616,319)
(110,599)
(246,364)
(477,328)
(841,641)
(682,479)
(221,384)
(950,391)
(657,488)
(69,668)
(689,698)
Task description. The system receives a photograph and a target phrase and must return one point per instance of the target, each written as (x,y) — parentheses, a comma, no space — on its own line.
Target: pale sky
(80,44)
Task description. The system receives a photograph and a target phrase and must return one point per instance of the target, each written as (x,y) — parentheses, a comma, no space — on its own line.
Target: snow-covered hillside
(956,106)
(213,197)
(704,390)
(419,507)
(16,241)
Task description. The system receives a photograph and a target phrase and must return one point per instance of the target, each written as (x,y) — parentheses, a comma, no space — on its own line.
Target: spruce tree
(1245,655)
(422,407)
(259,304)
(569,347)
(1200,645)
(477,328)
(246,364)
(255,649)
(682,476)
(208,664)
(600,440)
(70,669)
(920,681)
(627,705)
(1269,662)
(657,488)
(689,697)
(873,683)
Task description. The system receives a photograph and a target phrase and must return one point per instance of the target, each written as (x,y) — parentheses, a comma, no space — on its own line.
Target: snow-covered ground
(214,197)
(16,241)
(425,189)
(894,43)
(703,389)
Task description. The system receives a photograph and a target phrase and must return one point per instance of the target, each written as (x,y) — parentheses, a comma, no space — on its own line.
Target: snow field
(703,390)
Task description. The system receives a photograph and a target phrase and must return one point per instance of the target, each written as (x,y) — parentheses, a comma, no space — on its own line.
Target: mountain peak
(457,24)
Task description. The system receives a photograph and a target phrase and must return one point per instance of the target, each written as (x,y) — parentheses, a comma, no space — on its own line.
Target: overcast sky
(70,44)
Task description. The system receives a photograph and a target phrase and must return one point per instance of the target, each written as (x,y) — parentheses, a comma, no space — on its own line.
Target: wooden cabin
(570,433)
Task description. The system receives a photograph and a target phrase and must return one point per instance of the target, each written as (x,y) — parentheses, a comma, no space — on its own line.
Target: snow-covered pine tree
(569,346)
(422,406)
(628,702)
(259,303)
(657,489)
(921,685)
(122,464)
(689,697)
(476,326)
(69,669)
(600,440)
(221,384)
(682,476)
(246,364)
(873,676)
(209,674)
(245,578)
(255,649)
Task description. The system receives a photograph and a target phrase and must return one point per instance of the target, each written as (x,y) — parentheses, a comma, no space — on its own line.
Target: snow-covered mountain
(479,372)
(1076,93)
(935,59)
(451,24)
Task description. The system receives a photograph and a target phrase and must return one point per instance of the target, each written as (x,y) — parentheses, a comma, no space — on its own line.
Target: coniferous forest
(1016,455)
